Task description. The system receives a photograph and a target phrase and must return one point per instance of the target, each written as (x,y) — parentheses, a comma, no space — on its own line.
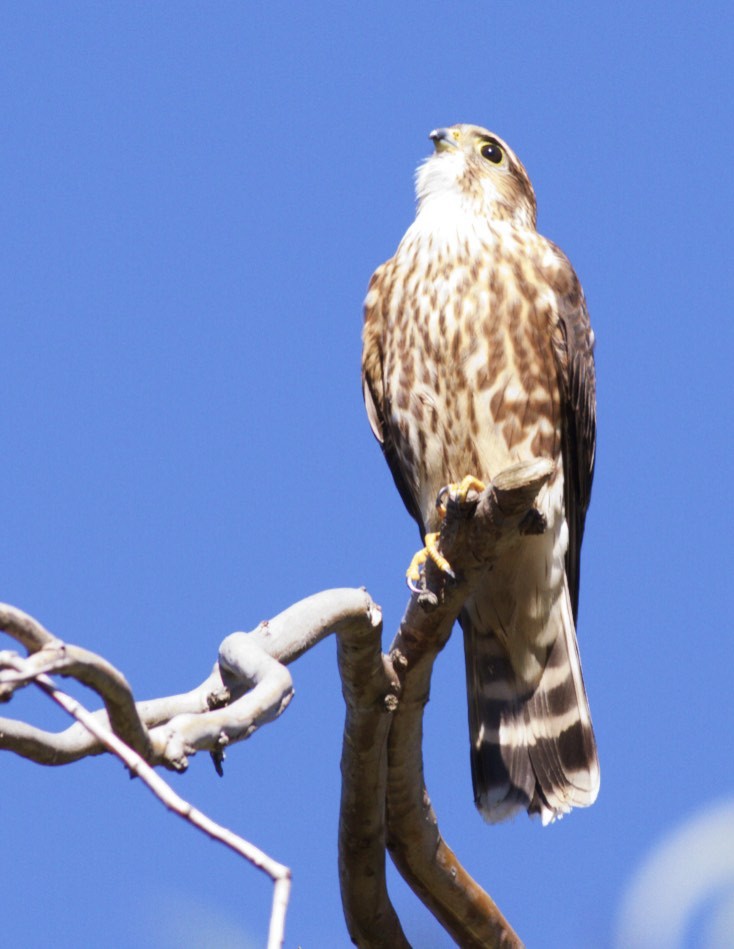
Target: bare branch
(265,688)
(22,627)
(278,873)
(294,631)
(206,718)
(248,688)
(370,687)
(384,800)
(76,742)
(91,670)
(471,540)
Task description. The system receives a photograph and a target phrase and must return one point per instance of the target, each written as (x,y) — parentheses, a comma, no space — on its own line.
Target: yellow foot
(430,551)
(458,491)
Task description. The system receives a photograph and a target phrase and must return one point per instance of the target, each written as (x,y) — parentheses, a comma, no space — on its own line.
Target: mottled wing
(373,390)
(534,748)
(574,350)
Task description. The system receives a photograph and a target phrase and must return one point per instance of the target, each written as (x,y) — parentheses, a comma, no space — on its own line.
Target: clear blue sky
(194,196)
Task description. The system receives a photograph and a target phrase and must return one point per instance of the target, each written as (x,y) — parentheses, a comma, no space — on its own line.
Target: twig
(51,656)
(278,873)
(75,742)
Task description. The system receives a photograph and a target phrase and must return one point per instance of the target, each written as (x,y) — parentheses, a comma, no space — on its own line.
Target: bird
(478,354)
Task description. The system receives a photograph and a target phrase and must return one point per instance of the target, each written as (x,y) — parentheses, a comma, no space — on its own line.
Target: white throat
(447,212)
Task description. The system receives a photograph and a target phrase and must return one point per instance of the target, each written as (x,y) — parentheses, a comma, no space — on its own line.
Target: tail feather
(532,746)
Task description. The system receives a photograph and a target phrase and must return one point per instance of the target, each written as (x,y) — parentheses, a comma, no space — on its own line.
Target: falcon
(478,354)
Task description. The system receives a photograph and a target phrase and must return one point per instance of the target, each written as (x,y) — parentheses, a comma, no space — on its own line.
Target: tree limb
(370,687)
(278,873)
(248,688)
(212,715)
(384,800)
(50,655)
(471,538)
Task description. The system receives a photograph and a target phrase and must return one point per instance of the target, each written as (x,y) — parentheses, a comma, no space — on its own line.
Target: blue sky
(194,198)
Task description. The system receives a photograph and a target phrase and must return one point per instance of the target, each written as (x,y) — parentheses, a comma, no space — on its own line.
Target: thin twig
(59,658)
(179,725)
(278,873)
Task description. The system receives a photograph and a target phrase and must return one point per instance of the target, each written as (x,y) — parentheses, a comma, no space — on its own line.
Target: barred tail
(531,748)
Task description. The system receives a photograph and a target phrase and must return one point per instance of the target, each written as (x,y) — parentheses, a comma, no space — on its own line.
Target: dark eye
(492,152)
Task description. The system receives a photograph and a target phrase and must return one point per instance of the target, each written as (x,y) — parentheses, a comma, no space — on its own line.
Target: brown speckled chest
(470,379)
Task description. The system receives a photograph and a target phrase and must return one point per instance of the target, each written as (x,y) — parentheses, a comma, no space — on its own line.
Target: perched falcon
(478,354)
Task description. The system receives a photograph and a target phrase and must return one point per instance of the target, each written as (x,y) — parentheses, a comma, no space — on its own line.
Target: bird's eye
(492,152)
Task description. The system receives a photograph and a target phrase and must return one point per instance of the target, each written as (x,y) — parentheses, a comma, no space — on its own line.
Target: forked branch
(472,537)
(384,801)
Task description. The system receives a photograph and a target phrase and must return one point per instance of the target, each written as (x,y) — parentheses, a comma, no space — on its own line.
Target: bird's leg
(457,492)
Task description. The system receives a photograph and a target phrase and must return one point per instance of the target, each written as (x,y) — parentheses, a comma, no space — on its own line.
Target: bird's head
(477,168)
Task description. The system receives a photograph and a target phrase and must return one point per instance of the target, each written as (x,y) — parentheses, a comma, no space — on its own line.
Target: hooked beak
(444,139)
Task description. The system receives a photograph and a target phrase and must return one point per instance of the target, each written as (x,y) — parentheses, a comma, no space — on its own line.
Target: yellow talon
(413,573)
(435,554)
(458,491)
(470,483)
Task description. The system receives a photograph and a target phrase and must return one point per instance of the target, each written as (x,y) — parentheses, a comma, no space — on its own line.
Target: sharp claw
(414,573)
(412,586)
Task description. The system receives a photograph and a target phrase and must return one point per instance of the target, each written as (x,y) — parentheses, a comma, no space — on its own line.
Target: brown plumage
(477,354)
